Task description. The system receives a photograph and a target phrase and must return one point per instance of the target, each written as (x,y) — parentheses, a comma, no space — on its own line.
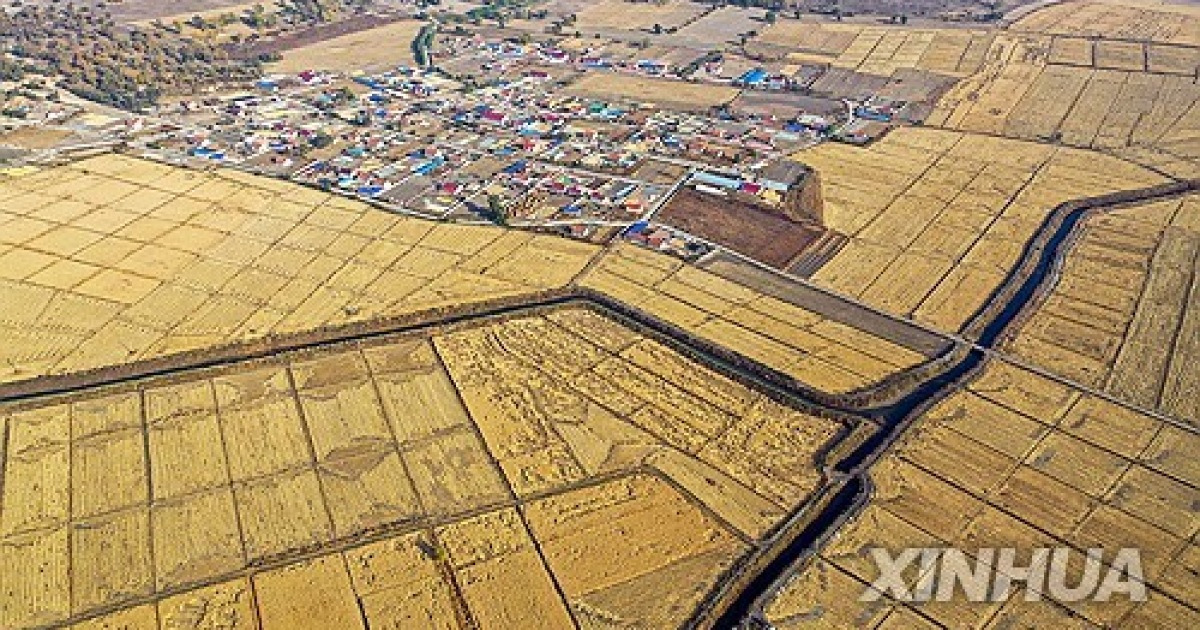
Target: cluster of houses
(543,192)
(666,239)
(516,144)
(654,61)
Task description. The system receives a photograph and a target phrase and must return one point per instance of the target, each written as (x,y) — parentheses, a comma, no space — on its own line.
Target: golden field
(880,50)
(574,395)
(1018,460)
(115,259)
(378,48)
(560,466)
(823,39)
(1136,100)
(821,352)
(441,478)
(621,15)
(1145,20)
(1121,317)
(1133,56)
(366,475)
(936,219)
(481,571)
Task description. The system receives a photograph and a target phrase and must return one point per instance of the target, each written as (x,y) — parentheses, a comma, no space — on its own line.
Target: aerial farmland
(354,314)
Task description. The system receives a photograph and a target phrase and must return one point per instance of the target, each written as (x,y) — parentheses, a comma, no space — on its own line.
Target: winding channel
(1021,293)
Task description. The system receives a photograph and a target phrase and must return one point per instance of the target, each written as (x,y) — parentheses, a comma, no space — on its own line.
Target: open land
(620,15)
(148,10)
(1144,109)
(29,137)
(742,227)
(720,26)
(165,260)
(239,402)
(816,349)
(878,50)
(122,258)
(1159,22)
(167,12)
(1017,458)
(374,48)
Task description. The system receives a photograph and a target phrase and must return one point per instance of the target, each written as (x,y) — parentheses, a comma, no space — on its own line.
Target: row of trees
(260,18)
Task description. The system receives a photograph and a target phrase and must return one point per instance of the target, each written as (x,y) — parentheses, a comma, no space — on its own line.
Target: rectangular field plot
(549,463)
(683,545)
(936,242)
(1071,481)
(1129,96)
(616,14)
(175,260)
(1120,55)
(717,309)
(1121,296)
(1071,51)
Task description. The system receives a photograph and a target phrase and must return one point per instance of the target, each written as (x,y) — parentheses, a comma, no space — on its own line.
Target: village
(524,124)
(351,314)
(508,132)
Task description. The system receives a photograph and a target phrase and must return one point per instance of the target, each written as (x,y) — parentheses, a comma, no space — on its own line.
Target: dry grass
(1074,51)
(1120,55)
(557,405)
(825,39)
(671,540)
(1104,98)
(881,50)
(145,11)
(503,581)
(1127,288)
(821,352)
(723,25)
(1172,59)
(29,137)
(1165,22)
(622,15)
(373,49)
(485,568)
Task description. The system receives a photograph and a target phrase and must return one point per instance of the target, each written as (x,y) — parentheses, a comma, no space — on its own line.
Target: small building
(716,181)
(752,78)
